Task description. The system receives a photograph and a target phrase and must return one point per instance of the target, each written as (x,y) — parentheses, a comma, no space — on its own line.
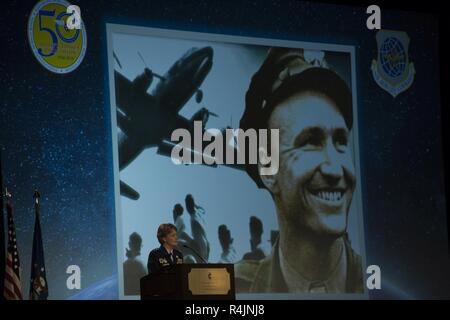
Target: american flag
(13,287)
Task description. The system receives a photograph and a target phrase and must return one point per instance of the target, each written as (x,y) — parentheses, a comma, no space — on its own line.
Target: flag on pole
(13,286)
(38,282)
(2,233)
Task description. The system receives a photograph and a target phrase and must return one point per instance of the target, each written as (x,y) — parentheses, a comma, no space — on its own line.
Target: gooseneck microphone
(196,253)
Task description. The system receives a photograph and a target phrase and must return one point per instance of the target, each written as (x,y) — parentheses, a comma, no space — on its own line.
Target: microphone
(196,253)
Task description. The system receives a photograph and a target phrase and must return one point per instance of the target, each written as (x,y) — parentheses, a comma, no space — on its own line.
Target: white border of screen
(210,37)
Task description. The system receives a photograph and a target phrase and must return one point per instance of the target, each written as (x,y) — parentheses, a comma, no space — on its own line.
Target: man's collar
(295,282)
(277,282)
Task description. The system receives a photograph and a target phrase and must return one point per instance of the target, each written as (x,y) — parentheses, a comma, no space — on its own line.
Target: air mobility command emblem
(392,70)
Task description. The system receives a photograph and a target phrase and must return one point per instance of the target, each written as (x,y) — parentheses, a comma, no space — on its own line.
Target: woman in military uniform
(166,256)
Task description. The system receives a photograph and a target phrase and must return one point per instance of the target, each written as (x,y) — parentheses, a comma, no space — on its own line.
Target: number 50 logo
(56,43)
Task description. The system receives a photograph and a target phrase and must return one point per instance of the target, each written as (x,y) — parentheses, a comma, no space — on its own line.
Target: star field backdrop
(55,133)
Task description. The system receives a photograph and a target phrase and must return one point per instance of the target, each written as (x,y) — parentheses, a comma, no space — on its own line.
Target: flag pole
(36,196)
(38,281)
(2,233)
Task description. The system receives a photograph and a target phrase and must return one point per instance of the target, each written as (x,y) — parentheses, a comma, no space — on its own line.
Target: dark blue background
(55,132)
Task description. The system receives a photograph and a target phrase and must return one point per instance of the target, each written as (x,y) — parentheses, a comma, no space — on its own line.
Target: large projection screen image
(163,80)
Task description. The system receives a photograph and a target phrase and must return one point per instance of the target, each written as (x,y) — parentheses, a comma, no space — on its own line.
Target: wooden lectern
(191,282)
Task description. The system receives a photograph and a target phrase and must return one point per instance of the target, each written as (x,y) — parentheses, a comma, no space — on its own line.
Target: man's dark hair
(190,203)
(256,227)
(177,211)
(135,241)
(224,237)
(135,244)
(284,73)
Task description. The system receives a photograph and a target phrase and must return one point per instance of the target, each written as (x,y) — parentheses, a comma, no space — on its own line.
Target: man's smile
(328,199)
(331,195)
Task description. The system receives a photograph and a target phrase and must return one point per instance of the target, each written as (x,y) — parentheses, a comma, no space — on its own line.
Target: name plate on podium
(191,282)
(209,281)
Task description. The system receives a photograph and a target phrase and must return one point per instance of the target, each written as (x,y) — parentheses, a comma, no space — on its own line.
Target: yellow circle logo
(57,35)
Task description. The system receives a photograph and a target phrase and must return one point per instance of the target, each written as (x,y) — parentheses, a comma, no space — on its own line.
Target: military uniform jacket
(265,275)
(159,260)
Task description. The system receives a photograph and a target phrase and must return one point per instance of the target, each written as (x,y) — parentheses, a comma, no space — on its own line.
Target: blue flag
(38,282)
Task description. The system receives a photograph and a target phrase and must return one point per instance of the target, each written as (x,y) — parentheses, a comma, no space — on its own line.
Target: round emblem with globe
(393,58)
(393,71)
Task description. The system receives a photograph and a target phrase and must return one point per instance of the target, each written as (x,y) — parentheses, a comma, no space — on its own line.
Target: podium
(190,282)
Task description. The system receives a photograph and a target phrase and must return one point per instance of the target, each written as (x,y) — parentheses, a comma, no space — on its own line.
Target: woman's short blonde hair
(163,230)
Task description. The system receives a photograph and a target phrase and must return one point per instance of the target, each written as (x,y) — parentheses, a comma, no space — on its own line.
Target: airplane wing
(166,146)
(134,104)
(124,90)
(127,191)
(183,123)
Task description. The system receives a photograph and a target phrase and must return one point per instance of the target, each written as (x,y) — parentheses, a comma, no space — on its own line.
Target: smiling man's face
(316,178)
